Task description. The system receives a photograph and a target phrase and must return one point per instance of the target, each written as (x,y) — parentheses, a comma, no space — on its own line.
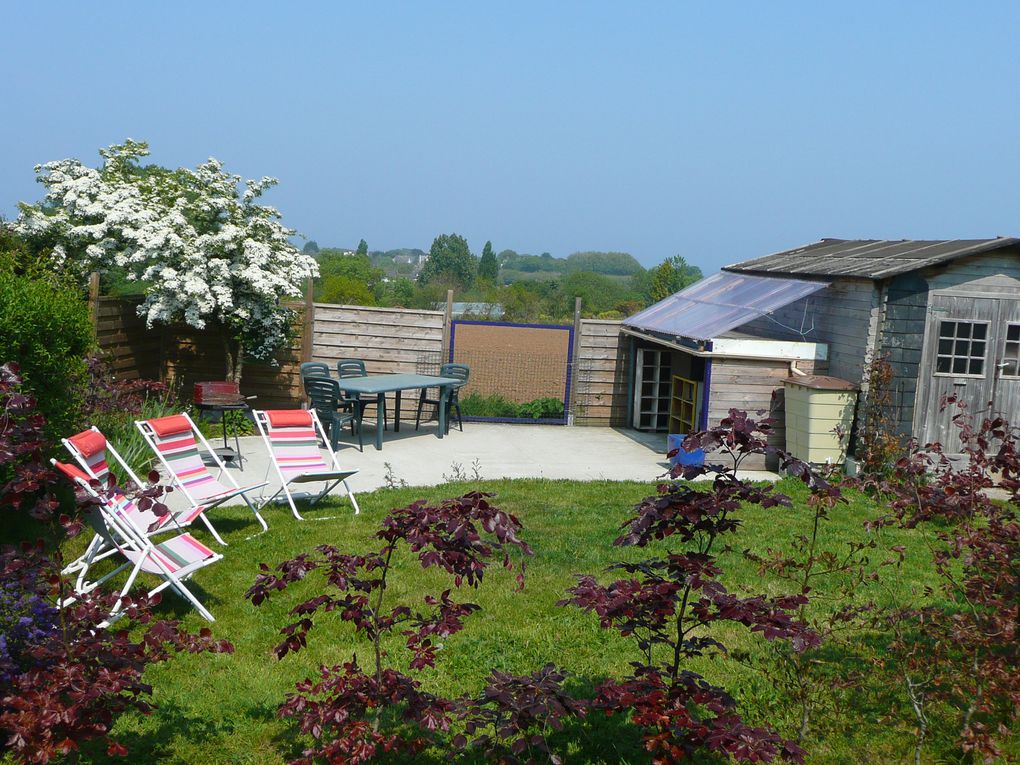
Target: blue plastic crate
(675,441)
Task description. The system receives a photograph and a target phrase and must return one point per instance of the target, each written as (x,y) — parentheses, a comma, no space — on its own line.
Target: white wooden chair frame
(332,478)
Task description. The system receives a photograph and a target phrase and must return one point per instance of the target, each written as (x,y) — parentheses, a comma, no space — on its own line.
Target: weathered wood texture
(756,387)
(132,350)
(843,315)
(601,374)
(183,355)
(974,288)
(388,340)
(194,355)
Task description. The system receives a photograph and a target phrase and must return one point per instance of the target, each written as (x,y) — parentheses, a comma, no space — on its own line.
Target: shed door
(967,352)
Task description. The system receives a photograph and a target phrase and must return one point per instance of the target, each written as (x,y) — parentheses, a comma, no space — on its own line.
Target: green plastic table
(380,385)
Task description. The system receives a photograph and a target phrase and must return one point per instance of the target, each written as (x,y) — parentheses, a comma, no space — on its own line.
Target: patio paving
(493,450)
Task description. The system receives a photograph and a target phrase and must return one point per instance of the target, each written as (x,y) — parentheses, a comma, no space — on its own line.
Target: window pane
(979,331)
(947,329)
(943,365)
(959,366)
(962,347)
(977,366)
(945,346)
(1010,368)
(963,329)
(1013,332)
(1012,350)
(977,349)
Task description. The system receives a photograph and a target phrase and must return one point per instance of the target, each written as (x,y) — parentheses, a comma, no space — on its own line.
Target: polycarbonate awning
(722,302)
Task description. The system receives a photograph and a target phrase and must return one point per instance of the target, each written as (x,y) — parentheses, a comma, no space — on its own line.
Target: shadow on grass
(167,723)
(597,739)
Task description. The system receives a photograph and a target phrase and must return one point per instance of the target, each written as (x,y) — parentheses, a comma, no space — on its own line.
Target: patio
(496,450)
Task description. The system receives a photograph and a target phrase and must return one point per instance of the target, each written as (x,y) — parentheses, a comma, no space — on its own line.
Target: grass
(222,708)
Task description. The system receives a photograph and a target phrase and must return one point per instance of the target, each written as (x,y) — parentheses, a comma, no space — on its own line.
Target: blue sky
(719,131)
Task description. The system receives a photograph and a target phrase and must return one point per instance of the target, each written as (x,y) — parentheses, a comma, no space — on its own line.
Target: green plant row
(476,405)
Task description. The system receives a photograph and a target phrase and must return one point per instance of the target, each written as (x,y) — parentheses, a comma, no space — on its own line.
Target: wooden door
(972,351)
(960,338)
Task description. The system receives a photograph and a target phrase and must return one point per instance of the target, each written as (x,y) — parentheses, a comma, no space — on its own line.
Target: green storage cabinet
(816,405)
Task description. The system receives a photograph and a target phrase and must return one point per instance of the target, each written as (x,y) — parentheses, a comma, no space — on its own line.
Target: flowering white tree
(206,249)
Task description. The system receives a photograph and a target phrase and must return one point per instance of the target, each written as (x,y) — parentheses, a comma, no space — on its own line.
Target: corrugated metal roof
(720,303)
(869,258)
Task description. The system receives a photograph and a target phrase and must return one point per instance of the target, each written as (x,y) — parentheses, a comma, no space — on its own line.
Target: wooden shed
(945,312)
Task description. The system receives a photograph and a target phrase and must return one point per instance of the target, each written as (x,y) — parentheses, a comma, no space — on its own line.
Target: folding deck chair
(292,439)
(175,440)
(89,449)
(173,560)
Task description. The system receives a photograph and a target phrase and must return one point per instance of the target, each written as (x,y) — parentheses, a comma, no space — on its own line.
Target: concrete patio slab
(489,451)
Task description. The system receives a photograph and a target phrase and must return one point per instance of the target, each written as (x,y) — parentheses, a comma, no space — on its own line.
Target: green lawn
(222,708)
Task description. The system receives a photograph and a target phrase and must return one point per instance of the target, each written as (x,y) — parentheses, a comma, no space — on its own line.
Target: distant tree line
(529,287)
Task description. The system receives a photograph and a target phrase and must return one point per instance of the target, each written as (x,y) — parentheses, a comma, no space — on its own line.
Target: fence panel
(601,396)
(519,372)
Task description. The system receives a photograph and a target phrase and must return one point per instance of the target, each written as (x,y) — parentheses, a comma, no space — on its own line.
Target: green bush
(45,328)
(476,405)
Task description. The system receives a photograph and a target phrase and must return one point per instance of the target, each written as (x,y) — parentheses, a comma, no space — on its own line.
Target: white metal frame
(209,502)
(137,548)
(331,478)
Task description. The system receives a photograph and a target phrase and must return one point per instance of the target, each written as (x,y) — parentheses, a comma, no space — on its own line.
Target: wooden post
(94,301)
(308,326)
(447,327)
(575,358)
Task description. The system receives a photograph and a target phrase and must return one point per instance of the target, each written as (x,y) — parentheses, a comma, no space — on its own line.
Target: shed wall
(843,315)
(749,385)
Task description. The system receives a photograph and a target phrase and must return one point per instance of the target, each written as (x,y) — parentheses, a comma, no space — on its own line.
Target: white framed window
(962,348)
(1011,352)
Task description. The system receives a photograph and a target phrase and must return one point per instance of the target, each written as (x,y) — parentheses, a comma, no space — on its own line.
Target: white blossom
(207,248)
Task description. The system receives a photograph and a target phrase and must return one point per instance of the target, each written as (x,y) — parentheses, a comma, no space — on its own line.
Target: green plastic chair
(461,372)
(324,395)
(347,368)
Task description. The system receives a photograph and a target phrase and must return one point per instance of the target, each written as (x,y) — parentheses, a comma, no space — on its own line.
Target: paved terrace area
(492,450)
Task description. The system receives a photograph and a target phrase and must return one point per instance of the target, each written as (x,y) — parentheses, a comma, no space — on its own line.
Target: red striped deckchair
(292,438)
(176,440)
(173,560)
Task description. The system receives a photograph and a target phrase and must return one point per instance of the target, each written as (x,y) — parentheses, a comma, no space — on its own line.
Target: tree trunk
(234,354)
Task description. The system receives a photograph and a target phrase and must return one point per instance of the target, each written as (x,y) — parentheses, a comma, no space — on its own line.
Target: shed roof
(719,303)
(869,258)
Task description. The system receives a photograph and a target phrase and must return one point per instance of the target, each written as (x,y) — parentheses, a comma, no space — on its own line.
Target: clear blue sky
(719,131)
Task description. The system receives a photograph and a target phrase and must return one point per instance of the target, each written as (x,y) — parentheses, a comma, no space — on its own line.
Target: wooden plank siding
(843,315)
(601,375)
(756,387)
(195,355)
(991,279)
(132,350)
(388,340)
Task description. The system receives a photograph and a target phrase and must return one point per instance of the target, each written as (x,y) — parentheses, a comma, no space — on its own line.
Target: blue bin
(675,441)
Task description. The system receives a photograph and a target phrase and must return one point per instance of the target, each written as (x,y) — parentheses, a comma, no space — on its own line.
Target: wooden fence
(600,393)
(387,339)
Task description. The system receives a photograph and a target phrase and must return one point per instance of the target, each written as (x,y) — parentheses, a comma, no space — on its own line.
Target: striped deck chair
(90,449)
(292,438)
(175,440)
(173,560)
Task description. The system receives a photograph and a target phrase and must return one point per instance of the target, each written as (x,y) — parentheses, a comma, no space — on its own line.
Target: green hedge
(46,329)
(475,405)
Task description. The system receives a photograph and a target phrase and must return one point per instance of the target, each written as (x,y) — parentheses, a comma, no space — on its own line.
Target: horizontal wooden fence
(388,340)
(601,377)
